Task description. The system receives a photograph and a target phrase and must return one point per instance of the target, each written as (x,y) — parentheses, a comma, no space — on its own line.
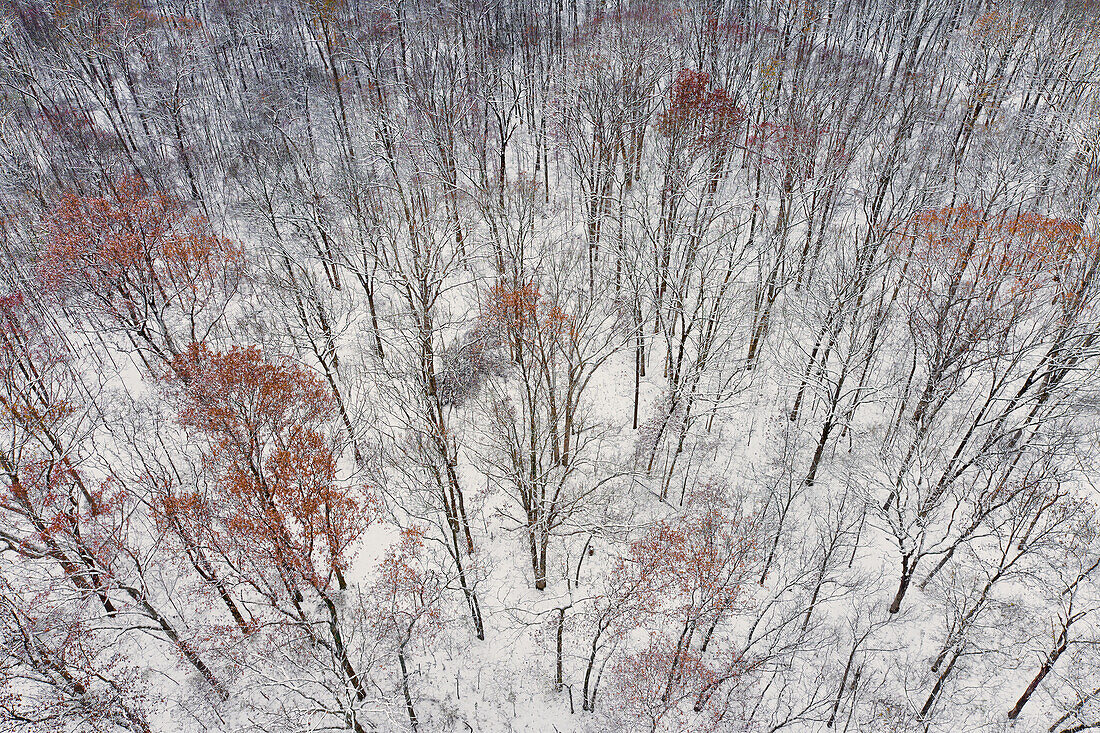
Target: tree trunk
(1051,659)
(413,724)
(907,569)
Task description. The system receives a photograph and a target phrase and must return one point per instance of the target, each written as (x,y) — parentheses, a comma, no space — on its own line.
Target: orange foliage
(1005,258)
(514,309)
(407,591)
(326,10)
(677,581)
(136,251)
(997,26)
(520,313)
(274,465)
(694,566)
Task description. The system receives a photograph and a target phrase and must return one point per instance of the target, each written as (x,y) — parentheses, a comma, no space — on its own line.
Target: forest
(560,366)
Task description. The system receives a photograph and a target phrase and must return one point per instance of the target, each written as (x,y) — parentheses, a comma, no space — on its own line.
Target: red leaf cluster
(792,145)
(704,115)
